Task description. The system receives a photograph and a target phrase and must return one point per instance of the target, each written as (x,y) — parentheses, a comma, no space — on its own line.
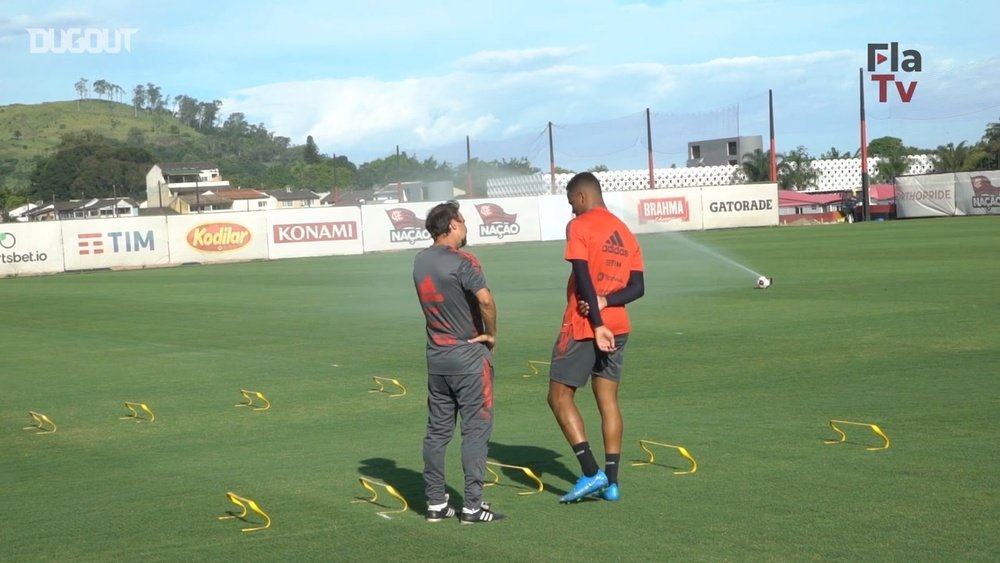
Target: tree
(757,166)
(154,97)
(101,87)
(207,112)
(90,164)
(9,199)
(834,154)
(958,158)
(795,171)
(886,146)
(991,147)
(315,177)
(187,110)
(598,168)
(311,152)
(892,157)
(81,88)
(138,99)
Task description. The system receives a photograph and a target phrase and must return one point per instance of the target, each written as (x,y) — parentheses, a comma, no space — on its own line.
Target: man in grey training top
(461,333)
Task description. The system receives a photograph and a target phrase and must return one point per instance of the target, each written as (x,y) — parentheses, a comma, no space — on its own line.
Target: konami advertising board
(217,237)
(325,231)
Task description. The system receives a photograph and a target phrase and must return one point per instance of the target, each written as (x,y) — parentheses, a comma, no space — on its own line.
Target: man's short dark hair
(439,218)
(581,180)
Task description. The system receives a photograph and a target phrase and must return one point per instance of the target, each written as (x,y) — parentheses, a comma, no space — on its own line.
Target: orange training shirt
(612,253)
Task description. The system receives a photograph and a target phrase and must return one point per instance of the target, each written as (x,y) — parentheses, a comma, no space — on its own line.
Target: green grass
(892,323)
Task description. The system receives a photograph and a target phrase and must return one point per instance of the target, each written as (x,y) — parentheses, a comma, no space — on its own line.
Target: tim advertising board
(327,231)
(397,226)
(217,237)
(501,220)
(657,211)
(930,195)
(30,249)
(124,242)
(746,205)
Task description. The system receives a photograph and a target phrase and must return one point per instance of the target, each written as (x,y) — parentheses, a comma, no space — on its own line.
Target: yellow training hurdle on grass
(533,366)
(644,444)
(526,470)
(134,414)
(843,436)
(245,503)
(370,484)
(380,383)
(250,396)
(43,424)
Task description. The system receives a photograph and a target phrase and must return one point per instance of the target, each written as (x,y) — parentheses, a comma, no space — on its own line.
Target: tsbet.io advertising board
(30,249)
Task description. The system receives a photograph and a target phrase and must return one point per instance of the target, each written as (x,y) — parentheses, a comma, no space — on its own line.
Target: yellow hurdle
(42,425)
(244,503)
(527,471)
(644,444)
(533,366)
(131,406)
(370,485)
(380,386)
(250,396)
(843,436)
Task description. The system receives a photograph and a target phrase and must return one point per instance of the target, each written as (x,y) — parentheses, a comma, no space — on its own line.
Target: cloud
(598,109)
(16,27)
(517,58)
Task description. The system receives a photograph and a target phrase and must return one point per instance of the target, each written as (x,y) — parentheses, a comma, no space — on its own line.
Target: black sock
(611,466)
(586,458)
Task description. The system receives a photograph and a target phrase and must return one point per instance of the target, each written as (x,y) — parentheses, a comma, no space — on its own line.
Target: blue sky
(364,77)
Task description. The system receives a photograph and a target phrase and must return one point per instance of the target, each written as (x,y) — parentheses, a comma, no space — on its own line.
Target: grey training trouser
(450,396)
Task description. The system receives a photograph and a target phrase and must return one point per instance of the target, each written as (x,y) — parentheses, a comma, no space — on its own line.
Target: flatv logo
(911,62)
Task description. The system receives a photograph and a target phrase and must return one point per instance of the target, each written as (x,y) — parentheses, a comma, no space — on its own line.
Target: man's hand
(584,308)
(604,339)
(490,341)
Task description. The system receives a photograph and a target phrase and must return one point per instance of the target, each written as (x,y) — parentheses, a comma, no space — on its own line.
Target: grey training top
(447,281)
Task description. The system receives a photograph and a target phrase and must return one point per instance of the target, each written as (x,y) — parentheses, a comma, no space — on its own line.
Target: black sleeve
(635,289)
(585,291)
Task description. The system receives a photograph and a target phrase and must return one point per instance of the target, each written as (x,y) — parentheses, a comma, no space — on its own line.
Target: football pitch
(894,324)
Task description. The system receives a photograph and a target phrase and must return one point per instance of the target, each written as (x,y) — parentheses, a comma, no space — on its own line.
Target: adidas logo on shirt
(615,245)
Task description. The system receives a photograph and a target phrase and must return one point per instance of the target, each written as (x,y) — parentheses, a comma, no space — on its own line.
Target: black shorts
(574,362)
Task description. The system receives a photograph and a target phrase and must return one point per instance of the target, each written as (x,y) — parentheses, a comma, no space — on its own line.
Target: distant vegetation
(103,147)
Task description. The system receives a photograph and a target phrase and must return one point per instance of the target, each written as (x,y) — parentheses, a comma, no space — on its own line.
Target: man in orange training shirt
(607,274)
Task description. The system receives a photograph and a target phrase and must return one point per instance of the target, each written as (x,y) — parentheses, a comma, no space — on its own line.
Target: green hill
(30,130)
